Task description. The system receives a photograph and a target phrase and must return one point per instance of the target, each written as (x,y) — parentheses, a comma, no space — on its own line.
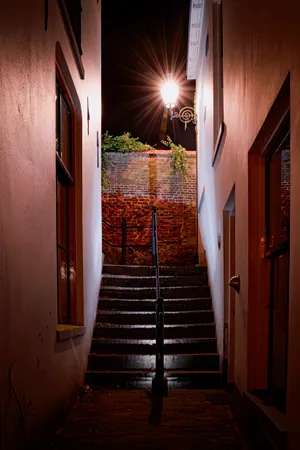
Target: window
(71,13)
(70,298)
(278,195)
(66,251)
(217,77)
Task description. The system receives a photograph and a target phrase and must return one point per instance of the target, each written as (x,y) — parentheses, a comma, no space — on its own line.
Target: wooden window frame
(76,47)
(259,265)
(218,95)
(77,306)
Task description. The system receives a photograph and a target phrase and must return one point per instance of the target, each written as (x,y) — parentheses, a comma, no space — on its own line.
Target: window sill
(64,332)
(272,421)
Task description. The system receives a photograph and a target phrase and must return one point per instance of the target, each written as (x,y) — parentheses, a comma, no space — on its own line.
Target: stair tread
(143,355)
(138,288)
(121,312)
(153,341)
(152,267)
(128,294)
(147,277)
(181,325)
(152,300)
(167,372)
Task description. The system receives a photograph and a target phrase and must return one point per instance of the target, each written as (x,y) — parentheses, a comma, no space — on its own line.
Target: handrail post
(153,235)
(159,383)
(124,240)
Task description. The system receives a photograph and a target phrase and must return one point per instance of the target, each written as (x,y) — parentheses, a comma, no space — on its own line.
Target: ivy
(178,155)
(123,144)
(126,143)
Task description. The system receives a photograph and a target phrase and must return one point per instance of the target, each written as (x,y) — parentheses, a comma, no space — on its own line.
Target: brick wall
(137,182)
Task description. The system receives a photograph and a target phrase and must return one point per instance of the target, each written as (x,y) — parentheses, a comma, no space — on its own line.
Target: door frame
(229,294)
(259,285)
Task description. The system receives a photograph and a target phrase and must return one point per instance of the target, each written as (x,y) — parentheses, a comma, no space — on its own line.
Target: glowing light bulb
(169,92)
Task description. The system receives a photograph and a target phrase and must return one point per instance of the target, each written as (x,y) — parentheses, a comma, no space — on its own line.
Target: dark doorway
(277,252)
(229,293)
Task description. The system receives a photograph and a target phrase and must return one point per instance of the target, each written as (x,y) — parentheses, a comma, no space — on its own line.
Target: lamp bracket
(185,115)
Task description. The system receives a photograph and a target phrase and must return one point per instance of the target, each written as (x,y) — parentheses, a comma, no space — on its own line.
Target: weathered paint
(260,48)
(43,373)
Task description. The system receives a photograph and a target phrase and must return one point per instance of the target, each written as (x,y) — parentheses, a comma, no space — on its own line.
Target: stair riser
(144,349)
(147,362)
(150,319)
(150,271)
(205,331)
(144,293)
(144,305)
(199,280)
(113,381)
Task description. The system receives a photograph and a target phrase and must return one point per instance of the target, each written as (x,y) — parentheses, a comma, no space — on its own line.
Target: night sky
(141,42)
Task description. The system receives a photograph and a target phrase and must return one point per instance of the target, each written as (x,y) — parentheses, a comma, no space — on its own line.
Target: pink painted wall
(45,374)
(260,47)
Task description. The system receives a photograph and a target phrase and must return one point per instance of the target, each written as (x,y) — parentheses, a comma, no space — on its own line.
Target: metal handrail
(140,227)
(159,383)
(124,227)
(111,226)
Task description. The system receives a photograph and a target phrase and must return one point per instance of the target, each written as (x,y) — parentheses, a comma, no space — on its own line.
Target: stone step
(150,270)
(148,346)
(141,379)
(142,281)
(114,331)
(150,292)
(180,304)
(149,318)
(205,361)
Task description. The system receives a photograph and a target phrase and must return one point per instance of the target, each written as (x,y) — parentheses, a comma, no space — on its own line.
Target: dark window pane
(278,175)
(65,134)
(64,203)
(62,215)
(63,286)
(279,312)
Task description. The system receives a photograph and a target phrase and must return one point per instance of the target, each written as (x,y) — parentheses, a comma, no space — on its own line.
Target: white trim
(194,38)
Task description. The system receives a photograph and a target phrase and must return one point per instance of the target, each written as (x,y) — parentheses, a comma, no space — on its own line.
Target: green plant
(179,155)
(123,144)
(104,178)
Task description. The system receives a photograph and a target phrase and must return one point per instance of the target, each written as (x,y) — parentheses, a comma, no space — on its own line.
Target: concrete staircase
(123,345)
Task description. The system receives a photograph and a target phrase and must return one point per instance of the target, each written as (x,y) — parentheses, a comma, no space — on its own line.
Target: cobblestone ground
(131,419)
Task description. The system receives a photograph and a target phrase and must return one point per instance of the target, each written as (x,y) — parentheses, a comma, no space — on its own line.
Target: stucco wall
(137,181)
(44,374)
(260,47)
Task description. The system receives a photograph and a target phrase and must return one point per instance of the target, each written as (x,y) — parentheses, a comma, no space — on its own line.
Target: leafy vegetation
(123,144)
(126,143)
(179,155)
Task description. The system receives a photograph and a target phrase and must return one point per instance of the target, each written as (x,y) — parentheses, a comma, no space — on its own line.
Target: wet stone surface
(116,419)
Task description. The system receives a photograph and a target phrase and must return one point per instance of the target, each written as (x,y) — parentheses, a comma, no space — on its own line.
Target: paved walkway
(185,420)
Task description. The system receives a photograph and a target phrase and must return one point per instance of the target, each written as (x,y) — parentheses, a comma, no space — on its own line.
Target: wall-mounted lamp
(169,92)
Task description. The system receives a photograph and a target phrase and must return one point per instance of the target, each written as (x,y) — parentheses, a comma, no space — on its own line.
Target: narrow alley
(119,419)
(149,208)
